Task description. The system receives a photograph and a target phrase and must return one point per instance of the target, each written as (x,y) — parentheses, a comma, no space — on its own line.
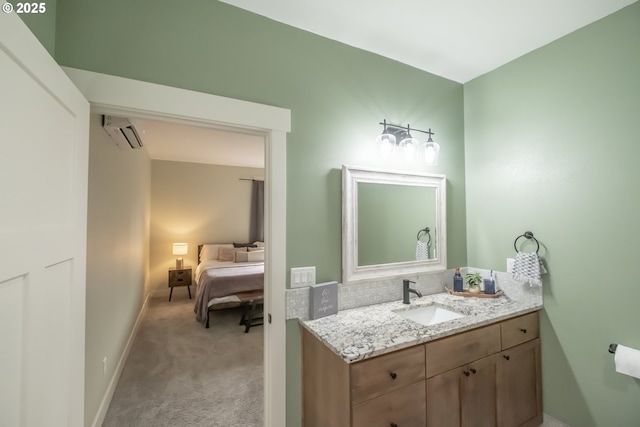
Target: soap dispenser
(457,281)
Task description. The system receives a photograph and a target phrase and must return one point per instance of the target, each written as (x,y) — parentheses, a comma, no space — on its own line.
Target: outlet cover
(303,276)
(510,262)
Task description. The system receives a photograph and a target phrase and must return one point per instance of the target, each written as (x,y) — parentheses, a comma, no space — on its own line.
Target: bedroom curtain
(256,228)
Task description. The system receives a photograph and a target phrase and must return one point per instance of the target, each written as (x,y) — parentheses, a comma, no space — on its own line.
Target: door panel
(43,167)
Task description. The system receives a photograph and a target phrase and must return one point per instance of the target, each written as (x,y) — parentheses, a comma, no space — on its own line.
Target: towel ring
(527,235)
(613,348)
(427,231)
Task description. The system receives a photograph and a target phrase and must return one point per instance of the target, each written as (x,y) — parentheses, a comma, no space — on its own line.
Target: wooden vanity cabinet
(489,376)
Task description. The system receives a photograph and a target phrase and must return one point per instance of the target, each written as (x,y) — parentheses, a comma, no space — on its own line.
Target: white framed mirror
(384,216)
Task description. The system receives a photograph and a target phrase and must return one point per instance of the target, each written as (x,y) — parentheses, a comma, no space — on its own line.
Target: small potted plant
(473,280)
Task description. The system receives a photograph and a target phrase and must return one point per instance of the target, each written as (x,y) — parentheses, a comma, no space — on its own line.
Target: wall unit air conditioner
(122,131)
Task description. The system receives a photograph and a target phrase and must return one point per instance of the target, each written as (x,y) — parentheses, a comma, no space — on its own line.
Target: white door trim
(116,95)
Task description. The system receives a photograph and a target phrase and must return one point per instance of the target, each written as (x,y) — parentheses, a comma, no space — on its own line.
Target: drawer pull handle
(393,375)
(466,373)
(507,357)
(394,425)
(473,371)
(524,331)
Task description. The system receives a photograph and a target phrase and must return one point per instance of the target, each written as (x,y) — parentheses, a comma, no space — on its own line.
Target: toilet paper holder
(612,348)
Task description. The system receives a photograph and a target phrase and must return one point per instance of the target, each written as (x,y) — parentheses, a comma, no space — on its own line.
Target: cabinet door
(519,386)
(443,399)
(478,391)
(464,396)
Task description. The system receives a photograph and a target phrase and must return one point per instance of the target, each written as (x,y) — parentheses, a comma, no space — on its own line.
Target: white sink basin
(429,314)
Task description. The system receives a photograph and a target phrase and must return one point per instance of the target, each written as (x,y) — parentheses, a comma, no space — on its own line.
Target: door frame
(120,96)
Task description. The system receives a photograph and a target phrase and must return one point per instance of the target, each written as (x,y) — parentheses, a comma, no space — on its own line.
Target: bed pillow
(209,252)
(228,254)
(242,256)
(255,256)
(259,244)
(255,249)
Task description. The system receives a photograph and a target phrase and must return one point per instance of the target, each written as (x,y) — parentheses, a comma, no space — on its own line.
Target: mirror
(393,223)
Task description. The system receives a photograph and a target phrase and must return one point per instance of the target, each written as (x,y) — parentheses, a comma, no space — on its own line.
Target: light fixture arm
(408,129)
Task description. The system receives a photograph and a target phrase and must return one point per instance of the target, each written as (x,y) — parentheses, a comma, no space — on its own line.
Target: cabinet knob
(394,425)
(506,356)
(473,370)
(466,373)
(393,375)
(524,331)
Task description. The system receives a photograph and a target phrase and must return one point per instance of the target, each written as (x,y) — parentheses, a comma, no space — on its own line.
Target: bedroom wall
(195,203)
(552,147)
(117,255)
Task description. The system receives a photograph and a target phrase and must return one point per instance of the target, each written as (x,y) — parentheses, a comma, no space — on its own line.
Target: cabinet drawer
(374,377)
(180,277)
(457,350)
(404,407)
(519,330)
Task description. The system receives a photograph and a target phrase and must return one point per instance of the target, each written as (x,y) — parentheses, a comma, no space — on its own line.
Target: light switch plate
(303,276)
(510,262)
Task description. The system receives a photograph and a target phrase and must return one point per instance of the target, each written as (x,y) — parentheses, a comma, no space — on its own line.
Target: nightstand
(180,277)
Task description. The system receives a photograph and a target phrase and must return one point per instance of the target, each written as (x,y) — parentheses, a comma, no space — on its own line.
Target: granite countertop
(365,332)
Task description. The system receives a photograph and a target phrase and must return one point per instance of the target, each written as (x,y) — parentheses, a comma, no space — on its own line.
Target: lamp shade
(431,152)
(180,248)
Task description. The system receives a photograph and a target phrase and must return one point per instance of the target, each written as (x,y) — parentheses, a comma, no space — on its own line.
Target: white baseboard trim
(549,421)
(106,400)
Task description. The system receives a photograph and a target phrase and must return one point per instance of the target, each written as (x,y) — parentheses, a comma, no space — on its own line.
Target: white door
(43,196)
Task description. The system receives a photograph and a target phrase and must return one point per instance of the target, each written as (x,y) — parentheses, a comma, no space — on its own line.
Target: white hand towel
(422,250)
(527,267)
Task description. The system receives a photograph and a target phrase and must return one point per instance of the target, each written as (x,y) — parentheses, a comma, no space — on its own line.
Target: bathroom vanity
(371,367)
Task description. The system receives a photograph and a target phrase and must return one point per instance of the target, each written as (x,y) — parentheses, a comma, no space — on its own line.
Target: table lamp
(180,249)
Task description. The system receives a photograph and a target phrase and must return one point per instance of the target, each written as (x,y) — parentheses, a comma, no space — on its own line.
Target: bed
(225,271)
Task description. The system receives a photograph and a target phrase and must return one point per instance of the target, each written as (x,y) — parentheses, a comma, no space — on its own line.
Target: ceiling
(456,39)
(195,144)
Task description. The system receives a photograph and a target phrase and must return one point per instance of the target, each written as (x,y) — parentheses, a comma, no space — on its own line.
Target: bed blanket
(219,282)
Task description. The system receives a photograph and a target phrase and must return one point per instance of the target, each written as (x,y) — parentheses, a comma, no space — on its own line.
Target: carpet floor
(180,374)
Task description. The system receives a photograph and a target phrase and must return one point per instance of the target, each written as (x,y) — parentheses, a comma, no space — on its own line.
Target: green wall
(42,25)
(337,96)
(551,144)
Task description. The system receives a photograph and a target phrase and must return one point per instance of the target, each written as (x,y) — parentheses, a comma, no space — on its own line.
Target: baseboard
(549,421)
(106,400)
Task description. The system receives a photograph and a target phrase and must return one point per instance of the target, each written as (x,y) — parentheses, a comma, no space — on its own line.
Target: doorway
(125,97)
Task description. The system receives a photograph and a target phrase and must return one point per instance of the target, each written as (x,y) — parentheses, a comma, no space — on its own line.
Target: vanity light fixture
(395,137)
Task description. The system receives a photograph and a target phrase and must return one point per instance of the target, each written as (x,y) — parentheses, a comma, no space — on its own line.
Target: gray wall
(117,255)
(552,146)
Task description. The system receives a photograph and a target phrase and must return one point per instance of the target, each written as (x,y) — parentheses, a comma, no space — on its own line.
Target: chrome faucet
(406,290)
